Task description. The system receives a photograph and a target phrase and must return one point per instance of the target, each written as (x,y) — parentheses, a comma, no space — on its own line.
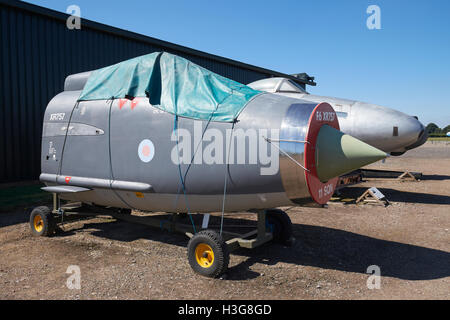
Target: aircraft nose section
(409,130)
(338,153)
(422,137)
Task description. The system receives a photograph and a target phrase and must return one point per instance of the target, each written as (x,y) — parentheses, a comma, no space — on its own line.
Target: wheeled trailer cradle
(208,248)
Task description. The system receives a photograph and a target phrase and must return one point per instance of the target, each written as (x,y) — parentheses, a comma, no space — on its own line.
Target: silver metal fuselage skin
(367,122)
(94,144)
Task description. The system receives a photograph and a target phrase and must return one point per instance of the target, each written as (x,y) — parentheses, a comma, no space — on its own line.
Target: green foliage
(433,128)
(434,131)
(446,129)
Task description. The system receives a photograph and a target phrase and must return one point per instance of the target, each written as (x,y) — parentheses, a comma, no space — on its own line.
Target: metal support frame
(262,236)
(407,176)
(56,203)
(372,198)
(234,240)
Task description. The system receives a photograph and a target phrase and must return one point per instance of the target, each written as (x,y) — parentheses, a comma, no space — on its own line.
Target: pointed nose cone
(338,153)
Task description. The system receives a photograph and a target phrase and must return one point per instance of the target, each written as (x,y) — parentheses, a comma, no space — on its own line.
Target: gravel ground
(409,241)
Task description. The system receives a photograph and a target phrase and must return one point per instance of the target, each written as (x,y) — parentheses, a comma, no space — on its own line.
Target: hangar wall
(38,51)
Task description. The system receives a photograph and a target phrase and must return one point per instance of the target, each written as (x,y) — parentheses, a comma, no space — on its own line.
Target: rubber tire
(281,226)
(49,223)
(220,249)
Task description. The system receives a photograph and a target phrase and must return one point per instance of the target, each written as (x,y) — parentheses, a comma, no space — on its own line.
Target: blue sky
(405,65)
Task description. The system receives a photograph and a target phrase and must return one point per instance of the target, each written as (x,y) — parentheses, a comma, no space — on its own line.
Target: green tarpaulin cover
(172,84)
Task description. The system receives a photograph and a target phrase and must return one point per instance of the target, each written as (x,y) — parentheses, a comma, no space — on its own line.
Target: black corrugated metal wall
(37,52)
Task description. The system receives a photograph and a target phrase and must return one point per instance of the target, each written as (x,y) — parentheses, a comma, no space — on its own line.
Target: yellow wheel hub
(204,255)
(38,223)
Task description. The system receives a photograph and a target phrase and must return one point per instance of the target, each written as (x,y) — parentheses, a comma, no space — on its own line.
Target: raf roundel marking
(146,151)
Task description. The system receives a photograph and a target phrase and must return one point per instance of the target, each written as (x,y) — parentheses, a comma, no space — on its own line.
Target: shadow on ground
(15,216)
(435,177)
(314,246)
(399,195)
(346,251)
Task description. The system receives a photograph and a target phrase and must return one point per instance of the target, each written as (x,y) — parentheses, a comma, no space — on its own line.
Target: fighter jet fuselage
(176,137)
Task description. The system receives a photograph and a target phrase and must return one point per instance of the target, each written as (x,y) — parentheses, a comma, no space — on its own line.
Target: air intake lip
(303,123)
(421,133)
(311,136)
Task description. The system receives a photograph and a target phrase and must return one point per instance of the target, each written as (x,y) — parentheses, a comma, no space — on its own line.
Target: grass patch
(22,196)
(439,139)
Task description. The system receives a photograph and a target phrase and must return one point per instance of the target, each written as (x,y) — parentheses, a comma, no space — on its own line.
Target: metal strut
(285,153)
(57,208)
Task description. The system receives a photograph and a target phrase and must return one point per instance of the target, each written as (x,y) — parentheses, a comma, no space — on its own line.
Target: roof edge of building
(21,5)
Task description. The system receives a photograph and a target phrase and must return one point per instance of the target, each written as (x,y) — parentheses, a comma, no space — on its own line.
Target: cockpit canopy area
(277,85)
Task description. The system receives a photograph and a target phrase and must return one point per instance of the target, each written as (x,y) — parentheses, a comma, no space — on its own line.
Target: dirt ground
(409,241)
